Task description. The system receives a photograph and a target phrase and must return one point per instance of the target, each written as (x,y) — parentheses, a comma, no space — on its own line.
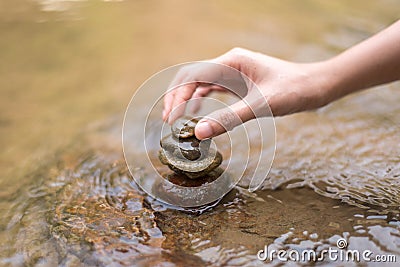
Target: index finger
(181,96)
(168,100)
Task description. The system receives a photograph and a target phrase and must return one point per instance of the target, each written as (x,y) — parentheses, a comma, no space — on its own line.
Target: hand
(283,88)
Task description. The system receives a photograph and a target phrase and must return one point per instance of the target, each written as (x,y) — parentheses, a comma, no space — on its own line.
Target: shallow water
(68,68)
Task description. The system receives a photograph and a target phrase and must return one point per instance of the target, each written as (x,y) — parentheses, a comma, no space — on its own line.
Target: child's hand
(285,86)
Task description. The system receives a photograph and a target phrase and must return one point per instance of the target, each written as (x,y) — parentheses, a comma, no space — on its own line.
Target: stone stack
(183,153)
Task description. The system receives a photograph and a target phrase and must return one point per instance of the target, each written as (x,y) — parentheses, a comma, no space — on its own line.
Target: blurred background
(68,65)
(65,64)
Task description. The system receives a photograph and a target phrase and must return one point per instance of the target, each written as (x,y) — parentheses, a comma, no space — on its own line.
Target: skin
(286,87)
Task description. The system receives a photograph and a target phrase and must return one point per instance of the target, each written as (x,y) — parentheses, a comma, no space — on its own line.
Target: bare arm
(290,87)
(372,62)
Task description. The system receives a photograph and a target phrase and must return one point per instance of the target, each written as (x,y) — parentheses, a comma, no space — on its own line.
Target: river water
(68,71)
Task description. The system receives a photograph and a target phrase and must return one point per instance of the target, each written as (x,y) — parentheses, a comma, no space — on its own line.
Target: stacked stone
(183,153)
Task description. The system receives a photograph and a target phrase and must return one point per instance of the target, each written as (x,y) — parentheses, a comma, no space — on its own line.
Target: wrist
(326,82)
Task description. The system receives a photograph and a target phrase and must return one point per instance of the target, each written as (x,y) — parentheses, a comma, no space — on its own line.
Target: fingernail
(163,114)
(204,130)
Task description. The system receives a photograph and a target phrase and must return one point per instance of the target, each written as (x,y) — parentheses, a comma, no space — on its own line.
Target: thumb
(223,120)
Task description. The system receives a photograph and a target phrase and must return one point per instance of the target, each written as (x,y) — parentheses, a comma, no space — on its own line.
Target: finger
(214,72)
(168,100)
(200,92)
(170,95)
(223,120)
(182,94)
(191,75)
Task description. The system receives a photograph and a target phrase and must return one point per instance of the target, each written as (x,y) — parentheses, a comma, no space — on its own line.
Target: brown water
(67,71)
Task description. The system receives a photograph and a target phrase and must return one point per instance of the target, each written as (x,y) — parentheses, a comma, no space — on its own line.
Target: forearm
(288,87)
(372,62)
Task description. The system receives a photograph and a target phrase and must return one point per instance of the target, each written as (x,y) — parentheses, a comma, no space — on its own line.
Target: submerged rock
(182,180)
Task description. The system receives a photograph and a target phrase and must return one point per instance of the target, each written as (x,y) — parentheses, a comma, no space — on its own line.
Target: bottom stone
(181,179)
(191,169)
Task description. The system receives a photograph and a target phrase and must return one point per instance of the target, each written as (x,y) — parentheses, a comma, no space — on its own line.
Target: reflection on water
(66,76)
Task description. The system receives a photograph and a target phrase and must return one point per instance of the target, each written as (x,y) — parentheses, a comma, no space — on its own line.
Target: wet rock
(185,148)
(184,127)
(182,180)
(186,155)
(192,169)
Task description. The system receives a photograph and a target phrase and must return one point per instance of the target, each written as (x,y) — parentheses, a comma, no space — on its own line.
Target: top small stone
(184,127)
